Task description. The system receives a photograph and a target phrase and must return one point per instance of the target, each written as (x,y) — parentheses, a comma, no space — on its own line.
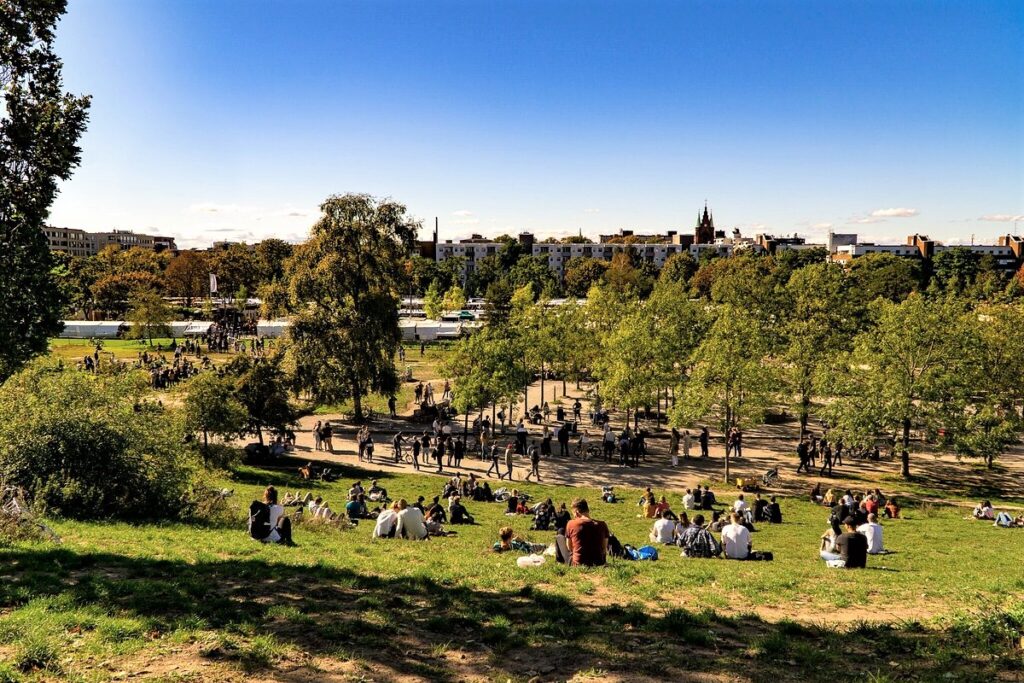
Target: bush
(88,446)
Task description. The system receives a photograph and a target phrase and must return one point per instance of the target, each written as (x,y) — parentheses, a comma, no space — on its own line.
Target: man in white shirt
(410,523)
(664,530)
(736,539)
(873,531)
(688,500)
(740,506)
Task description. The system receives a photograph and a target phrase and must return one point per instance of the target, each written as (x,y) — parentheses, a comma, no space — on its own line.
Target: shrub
(89,446)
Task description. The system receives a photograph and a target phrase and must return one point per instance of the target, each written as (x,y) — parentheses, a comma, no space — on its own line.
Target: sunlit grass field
(217,605)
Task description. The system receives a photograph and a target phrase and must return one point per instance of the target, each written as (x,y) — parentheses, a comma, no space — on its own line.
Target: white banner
(213,283)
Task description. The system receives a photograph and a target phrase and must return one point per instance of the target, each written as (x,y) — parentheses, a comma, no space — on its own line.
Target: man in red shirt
(586,538)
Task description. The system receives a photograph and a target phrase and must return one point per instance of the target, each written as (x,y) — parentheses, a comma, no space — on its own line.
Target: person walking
(509,450)
(534,453)
(803,452)
(495,461)
(397,445)
(673,447)
(416,454)
(686,444)
(392,404)
(328,437)
(317,441)
(703,438)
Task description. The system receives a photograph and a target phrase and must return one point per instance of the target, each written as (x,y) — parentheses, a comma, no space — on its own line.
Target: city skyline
(232,121)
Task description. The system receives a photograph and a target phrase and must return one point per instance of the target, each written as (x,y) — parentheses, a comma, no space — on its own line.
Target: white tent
(197,328)
(90,329)
(272,328)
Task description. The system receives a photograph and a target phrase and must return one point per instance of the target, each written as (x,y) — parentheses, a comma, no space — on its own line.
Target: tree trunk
(804,413)
(905,455)
(259,434)
(206,440)
(357,404)
(541,382)
(989,460)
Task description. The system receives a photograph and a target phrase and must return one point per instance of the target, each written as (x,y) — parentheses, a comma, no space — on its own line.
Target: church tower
(704,233)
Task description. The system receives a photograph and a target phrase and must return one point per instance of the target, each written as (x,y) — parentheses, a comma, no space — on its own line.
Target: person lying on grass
(698,542)
(543,515)
(509,542)
(848,550)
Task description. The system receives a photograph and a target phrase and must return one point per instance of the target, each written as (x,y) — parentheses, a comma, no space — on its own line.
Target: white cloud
(1002,217)
(865,221)
(462,213)
(257,213)
(822,226)
(894,213)
(591,210)
(466,221)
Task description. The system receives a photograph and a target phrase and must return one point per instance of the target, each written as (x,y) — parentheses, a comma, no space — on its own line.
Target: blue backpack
(647,552)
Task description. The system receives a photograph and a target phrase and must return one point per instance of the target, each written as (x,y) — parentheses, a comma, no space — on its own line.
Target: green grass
(73,350)
(117,597)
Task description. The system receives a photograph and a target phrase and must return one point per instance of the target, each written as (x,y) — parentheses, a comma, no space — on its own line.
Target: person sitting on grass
(774,512)
(377,493)
(872,531)
(562,519)
(355,509)
(437,510)
(760,509)
(457,512)
(707,499)
(410,523)
(663,507)
(512,504)
(829,499)
(736,539)
(508,541)
(816,496)
(984,511)
(688,500)
(387,520)
(682,524)
(892,509)
(586,538)
(543,515)
(280,527)
(850,549)
(697,541)
(649,504)
(663,531)
(718,522)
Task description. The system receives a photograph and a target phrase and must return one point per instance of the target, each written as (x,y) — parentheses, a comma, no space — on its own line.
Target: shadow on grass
(417,627)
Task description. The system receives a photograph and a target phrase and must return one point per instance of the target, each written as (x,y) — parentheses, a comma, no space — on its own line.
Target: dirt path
(766,447)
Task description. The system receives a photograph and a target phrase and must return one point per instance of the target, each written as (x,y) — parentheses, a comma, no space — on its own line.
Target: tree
(990,418)
(454,299)
(582,273)
(149,315)
(187,276)
(488,368)
(679,267)
(236,266)
(623,276)
(534,270)
(819,321)
(954,269)
(904,372)
(271,256)
(112,293)
(39,130)
(729,378)
(260,386)
(885,276)
(433,305)
(344,281)
(630,366)
(212,408)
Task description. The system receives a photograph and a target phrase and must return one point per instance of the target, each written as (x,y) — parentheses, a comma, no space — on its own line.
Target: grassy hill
(204,602)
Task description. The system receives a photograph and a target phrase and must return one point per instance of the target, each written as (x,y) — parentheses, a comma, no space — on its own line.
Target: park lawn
(204,602)
(73,350)
(424,368)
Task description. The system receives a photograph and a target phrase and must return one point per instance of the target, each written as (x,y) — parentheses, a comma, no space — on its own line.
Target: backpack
(259,520)
(631,552)
(616,549)
(647,552)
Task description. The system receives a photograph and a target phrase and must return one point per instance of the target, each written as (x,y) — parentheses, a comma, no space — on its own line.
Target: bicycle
(586,451)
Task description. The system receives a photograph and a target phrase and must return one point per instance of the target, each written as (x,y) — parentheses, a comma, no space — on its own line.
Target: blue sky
(217,119)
